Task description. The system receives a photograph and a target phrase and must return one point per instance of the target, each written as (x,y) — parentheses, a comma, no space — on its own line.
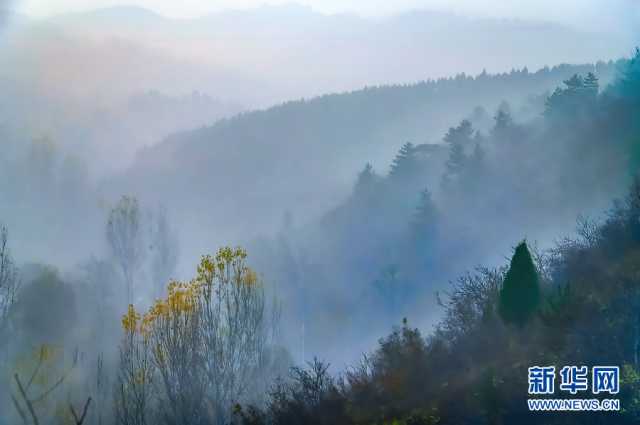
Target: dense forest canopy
(445,208)
(572,304)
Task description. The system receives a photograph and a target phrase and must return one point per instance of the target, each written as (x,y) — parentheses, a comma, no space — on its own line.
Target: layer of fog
(84,94)
(71,77)
(267,55)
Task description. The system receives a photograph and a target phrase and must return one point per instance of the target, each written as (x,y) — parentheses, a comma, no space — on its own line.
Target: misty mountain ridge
(262,56)
(279,16)
(115,13)
(331,136)
(294,18)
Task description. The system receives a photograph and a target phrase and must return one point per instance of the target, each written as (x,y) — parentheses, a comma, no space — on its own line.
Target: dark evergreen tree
(591,84)
(462,134)
(405,164)
(476,166)
(554,102)
(574,98)
(365,183)
(503,124)
(628,85)
(457,160)
(520,292)
(455,164)
(424,220)
(574,84)
(504,129)
(459,139)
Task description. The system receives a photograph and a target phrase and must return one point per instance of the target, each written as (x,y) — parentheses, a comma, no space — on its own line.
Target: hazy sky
(570,11)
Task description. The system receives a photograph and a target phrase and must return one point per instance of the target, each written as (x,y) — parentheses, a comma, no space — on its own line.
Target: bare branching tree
(26,399)
(164,251)
(235,330)
(101,389)
(175,330)
(472,299)
(134,381)
(124,235)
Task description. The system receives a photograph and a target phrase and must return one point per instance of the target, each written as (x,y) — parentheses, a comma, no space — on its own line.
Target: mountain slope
(302,157)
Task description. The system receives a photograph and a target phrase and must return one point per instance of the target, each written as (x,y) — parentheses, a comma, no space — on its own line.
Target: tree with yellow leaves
(135,375)
(207,343)
(173,327)
(234,327)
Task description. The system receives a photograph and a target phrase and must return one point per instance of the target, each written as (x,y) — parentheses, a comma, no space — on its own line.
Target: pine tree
(554,102)
(462,134)
(565,102)
(503,122)
(366,177)
(365,183)
(574,83)
(520,292)
(476,165)
(458,138)
(629,84)
(425,216)
(457,160)
(405,164)
(591,83)
(424,228)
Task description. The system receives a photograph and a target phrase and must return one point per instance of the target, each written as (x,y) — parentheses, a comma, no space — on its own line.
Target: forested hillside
(406,231)
(330,137)
(576,303)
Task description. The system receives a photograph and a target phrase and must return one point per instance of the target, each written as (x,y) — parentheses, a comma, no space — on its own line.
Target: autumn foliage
(202,345)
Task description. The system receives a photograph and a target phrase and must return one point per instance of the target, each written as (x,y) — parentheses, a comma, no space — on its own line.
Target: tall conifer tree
(520,293)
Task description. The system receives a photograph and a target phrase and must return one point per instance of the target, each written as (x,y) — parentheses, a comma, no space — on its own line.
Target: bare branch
(28,402)
(21,412)
(80,420)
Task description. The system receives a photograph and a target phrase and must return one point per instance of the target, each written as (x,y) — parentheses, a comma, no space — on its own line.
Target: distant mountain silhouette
(294,51)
